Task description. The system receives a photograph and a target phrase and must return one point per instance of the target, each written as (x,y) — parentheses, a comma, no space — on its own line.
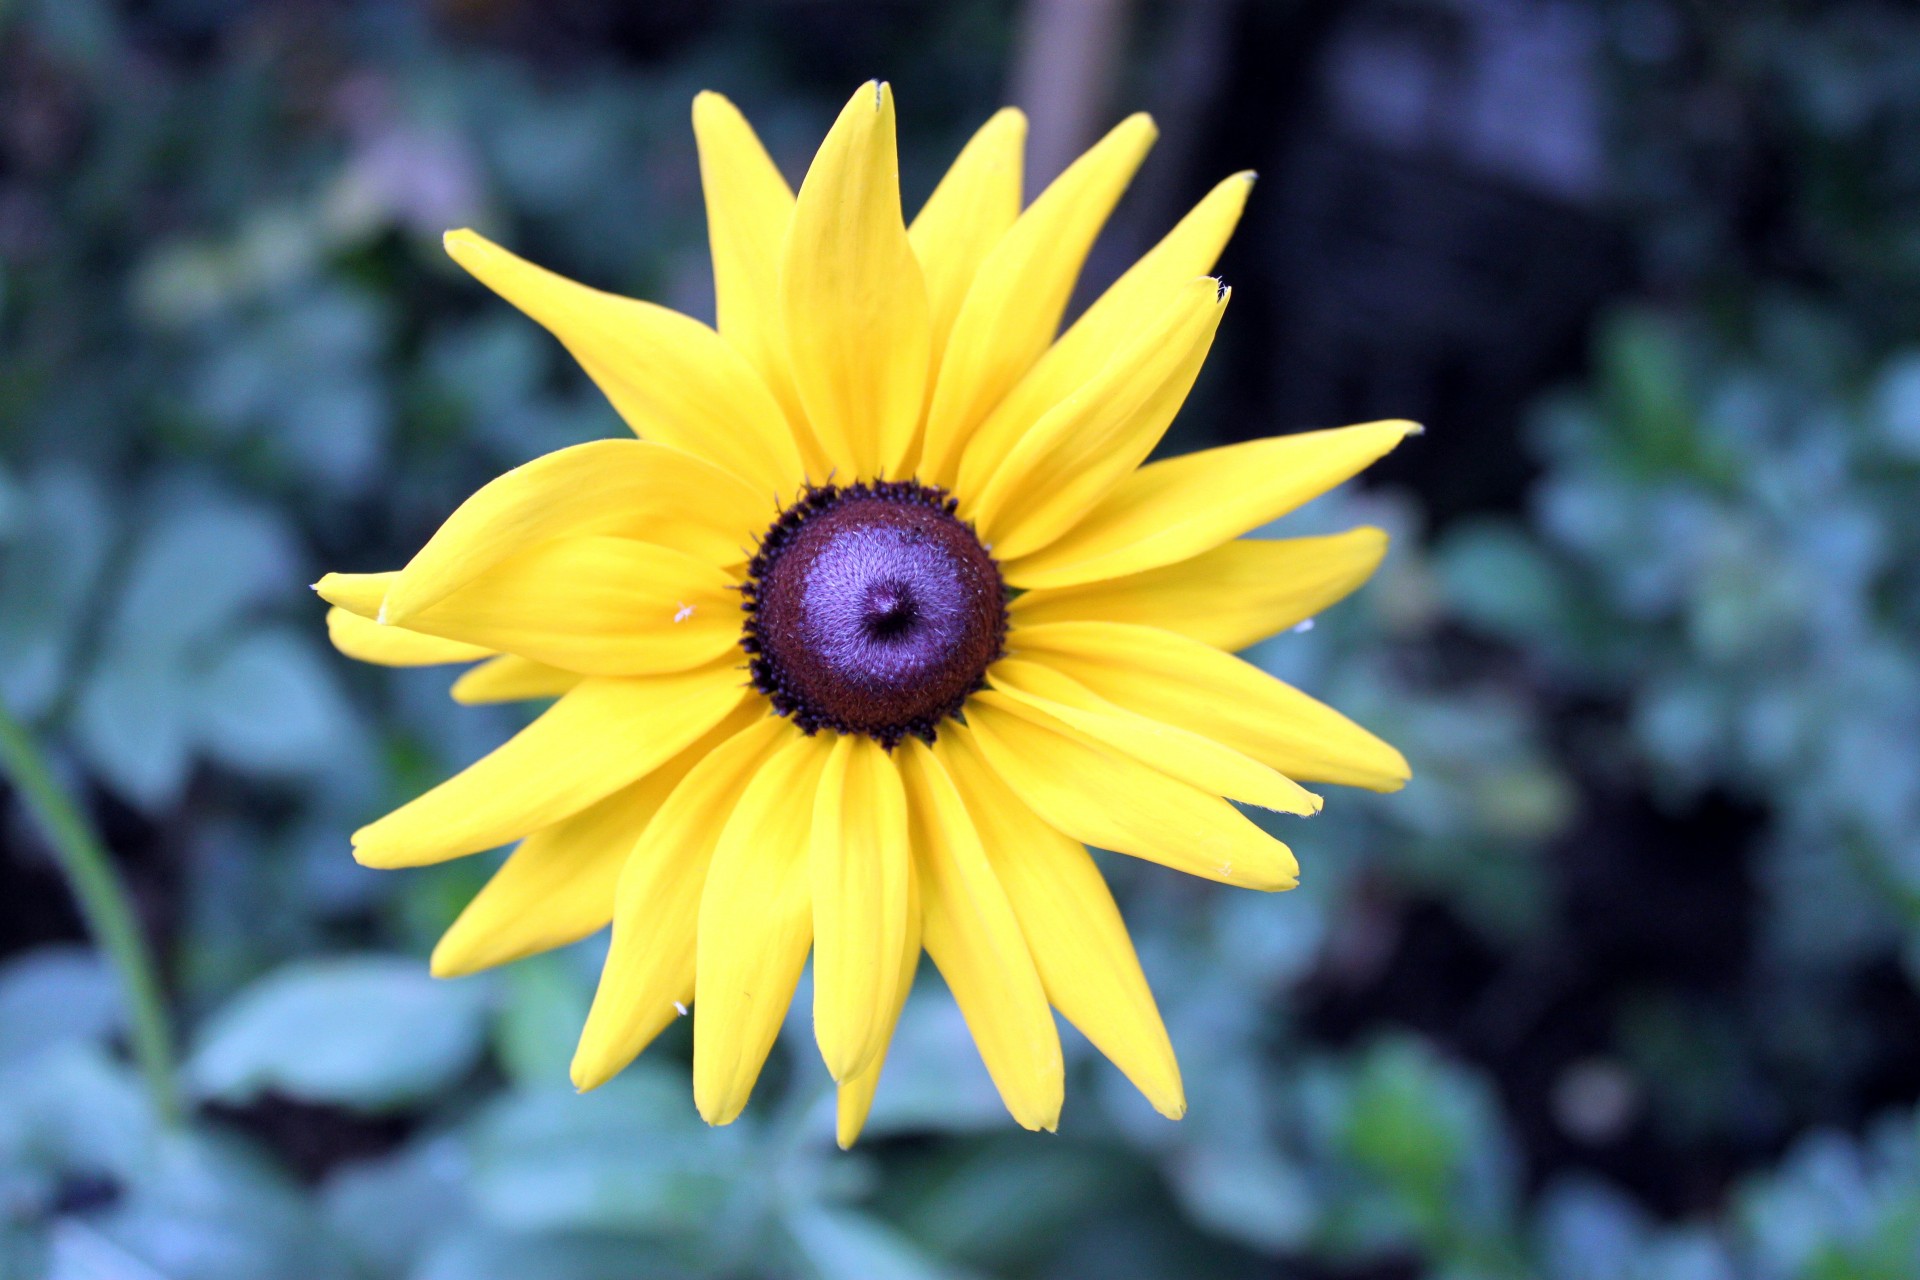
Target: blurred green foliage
(234,356)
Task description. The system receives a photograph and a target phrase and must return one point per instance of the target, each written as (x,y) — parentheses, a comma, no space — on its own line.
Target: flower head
(878,623)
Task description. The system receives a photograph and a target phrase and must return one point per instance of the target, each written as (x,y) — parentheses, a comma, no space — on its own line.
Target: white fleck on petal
(1303,625)
(684,612)
(680,1008)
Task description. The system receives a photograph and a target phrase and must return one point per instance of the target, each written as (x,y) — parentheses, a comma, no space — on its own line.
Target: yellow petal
(860,868)
(749,207)
(756,922)
(605,733)
(596,605)
(851,296)
(1183,682)
(1103,798)
(965,217)
(1057,701)
(670,377)
(368,641)
(357,593)
(853,1099)
(558,886)
(623,488)
(1189,250)
(511,679)
(1233,596)
(648,977)
(1094,439)
(1013,308)
(1174,510)
(1079,942)
(975,941)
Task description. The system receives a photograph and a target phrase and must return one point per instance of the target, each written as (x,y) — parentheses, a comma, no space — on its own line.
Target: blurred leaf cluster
(234,356)
(1725,540)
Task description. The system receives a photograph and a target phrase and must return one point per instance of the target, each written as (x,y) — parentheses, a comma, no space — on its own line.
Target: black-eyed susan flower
(878,623)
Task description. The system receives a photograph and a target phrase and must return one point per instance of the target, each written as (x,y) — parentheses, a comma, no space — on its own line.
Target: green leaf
(541,1012)
(1498,579)
(269,706)
(388,1211)
(370,1032)
(55,545)
(839,1243)
(630,1157)
(53,995)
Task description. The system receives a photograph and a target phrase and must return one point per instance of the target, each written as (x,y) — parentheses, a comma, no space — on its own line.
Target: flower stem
(104,904)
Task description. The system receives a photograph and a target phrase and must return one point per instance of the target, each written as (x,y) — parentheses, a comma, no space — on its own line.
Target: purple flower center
(872,609)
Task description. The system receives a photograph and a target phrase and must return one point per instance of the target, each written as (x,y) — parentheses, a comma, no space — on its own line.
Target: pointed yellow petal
(756,922)
(596,605)
(558,886)
(1013,309)
(1183,682)
(1189,250)
(851,295)
(1173,510)
(368,641)
(749,207)
(853,1099)
(966,215)
(1079,942)
(511,679)
(975,941)
(648,977)
(859,865)
(1233,596)
(623,488)
(1103,798)
(670,377)
(357,593)
(1092,440)
(1057,701)
(604,734)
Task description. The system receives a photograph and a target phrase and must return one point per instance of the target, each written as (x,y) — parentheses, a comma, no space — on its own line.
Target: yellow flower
(877,625)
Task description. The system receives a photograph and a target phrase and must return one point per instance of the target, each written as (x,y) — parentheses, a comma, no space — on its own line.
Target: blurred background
(1622,987)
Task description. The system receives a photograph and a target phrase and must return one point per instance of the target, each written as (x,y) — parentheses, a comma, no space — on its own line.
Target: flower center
(872,609)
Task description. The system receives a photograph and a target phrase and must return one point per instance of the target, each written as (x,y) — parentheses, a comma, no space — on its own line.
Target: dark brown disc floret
(872,608)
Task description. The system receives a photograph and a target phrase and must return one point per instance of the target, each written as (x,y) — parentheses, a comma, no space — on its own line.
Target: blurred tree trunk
(1066,67)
